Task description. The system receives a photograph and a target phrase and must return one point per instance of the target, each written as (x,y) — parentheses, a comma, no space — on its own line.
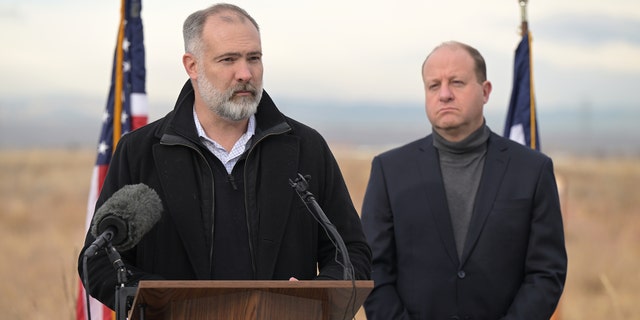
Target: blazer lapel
(494,169)
(429,165)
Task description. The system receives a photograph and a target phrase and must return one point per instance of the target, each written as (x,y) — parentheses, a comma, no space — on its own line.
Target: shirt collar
(251,126)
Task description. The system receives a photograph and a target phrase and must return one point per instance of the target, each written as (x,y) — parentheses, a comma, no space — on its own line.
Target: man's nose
(243,72)
(445,93)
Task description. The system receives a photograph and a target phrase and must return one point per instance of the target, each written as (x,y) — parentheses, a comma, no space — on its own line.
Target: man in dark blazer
(463,224)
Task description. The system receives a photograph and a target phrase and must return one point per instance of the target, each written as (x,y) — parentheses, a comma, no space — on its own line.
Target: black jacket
(285,240)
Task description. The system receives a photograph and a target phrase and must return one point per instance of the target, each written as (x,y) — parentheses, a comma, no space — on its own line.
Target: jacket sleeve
(546,259)
(100,273)
(377,220)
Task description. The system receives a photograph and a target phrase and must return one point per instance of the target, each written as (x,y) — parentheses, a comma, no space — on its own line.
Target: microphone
(301,185)
(124,218)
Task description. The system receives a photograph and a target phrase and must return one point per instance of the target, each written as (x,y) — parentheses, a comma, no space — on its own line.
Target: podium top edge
(255,284)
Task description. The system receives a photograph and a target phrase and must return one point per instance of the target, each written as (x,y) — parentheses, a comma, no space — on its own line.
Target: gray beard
(221,104)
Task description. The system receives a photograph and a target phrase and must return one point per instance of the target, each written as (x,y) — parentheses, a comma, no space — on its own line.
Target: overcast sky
(585,51)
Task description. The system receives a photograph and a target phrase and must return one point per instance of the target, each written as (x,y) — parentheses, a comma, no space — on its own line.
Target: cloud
(591,29)
(11,12)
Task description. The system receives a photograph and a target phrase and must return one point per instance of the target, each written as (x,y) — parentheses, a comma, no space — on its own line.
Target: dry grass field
(43,195)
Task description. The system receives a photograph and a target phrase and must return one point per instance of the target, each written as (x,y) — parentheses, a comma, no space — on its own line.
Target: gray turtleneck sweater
(461,164)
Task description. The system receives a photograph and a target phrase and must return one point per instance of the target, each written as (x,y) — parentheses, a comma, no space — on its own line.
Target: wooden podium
(240,300)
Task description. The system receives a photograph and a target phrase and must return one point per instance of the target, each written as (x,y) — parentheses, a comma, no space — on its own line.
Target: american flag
(126,110)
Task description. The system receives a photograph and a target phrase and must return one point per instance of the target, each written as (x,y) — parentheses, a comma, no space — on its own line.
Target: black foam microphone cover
(130,212)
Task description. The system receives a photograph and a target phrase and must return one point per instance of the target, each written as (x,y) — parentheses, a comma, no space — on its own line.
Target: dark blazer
(285,239)
(514,262)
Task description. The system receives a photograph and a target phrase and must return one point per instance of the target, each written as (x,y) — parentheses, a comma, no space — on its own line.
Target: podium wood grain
(249,300)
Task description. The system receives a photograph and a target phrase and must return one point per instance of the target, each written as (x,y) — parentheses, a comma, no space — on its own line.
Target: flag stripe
(126,110)
(139,110)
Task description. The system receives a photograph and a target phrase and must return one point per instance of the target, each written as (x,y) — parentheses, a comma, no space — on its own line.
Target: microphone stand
(123,292)
(301,185)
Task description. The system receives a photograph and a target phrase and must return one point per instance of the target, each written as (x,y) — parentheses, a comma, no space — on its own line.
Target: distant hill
(57,122)
(562,130)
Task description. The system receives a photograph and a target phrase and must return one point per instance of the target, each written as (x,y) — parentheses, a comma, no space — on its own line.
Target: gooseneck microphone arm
(301,185)
(116,260)
(124,293)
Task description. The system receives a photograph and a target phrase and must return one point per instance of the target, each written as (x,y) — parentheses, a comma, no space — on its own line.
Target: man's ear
(486,90)
(190,65)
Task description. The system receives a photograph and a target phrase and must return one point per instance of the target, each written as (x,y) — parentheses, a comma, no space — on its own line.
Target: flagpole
(524,25)
(117,101)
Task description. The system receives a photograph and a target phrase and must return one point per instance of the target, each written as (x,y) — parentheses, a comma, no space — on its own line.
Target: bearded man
(221,162)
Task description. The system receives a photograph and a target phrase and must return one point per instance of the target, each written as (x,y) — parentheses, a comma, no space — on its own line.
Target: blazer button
(461,274)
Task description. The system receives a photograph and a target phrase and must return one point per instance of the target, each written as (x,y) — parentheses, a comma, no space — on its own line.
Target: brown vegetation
(43,198)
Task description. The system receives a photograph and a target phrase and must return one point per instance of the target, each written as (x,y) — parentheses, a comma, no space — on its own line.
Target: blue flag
(522,124)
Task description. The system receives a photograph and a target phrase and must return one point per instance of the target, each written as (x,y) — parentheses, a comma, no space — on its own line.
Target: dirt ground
(43,199)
